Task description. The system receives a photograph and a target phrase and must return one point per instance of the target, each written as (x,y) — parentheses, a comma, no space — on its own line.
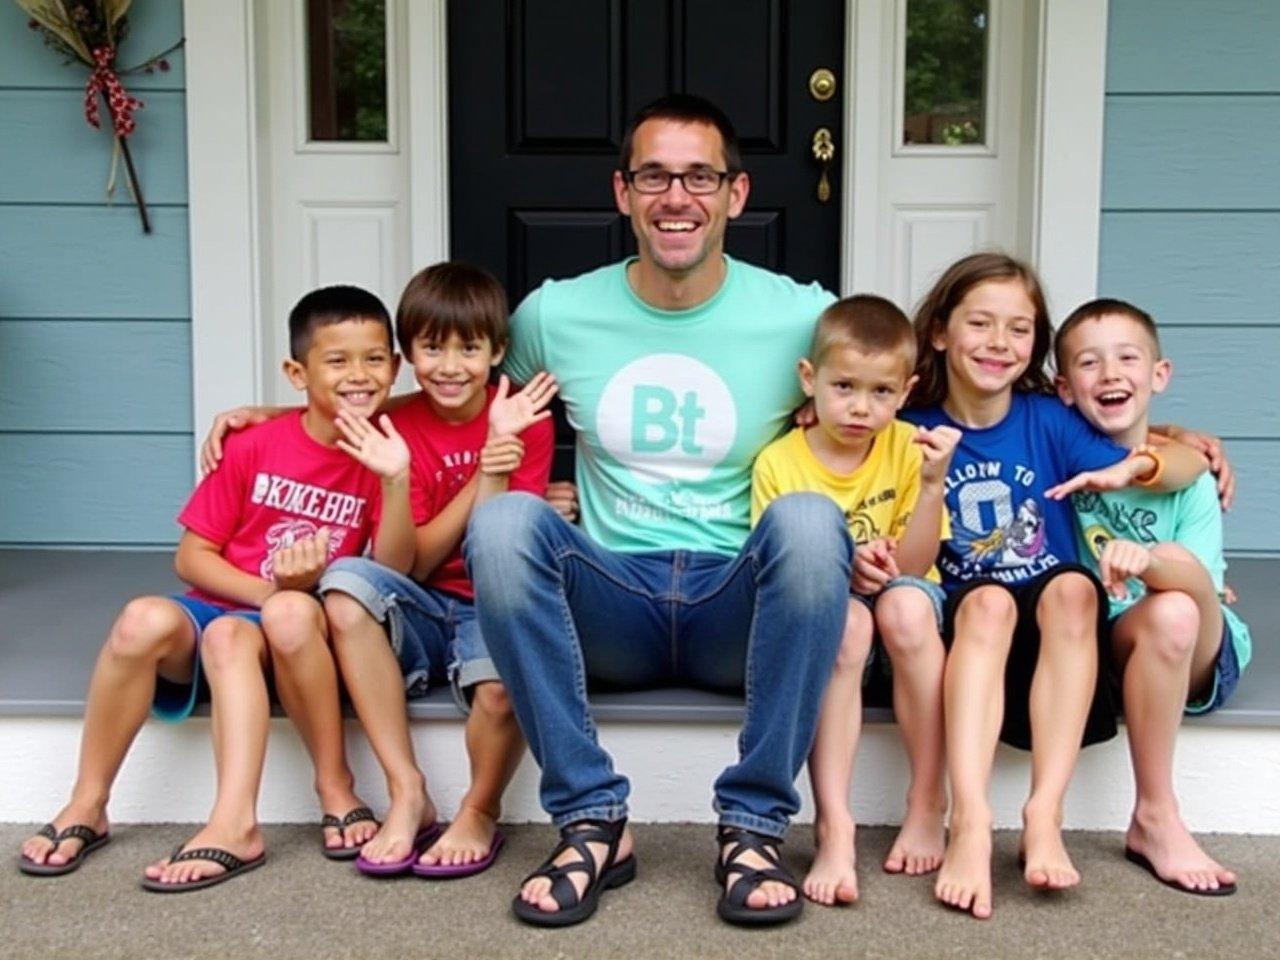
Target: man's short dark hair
(329,305)
(685,108)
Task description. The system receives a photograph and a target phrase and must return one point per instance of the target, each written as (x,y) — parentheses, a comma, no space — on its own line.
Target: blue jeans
(556,609)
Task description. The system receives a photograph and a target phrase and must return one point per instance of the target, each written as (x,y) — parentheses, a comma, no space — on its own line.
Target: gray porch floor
(302,906)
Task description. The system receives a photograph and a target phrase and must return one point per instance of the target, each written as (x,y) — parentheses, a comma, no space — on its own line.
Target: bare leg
(234,654)
(833,878)
(376,686)
(1061,692)
(494,746)
(1156,642)
(307,681)
(909,628)
(973,701)
(152,635)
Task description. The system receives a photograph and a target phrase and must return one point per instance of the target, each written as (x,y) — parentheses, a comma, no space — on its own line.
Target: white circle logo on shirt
(667,417)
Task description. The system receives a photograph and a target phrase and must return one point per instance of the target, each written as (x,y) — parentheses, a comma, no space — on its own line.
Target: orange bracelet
(1152,478)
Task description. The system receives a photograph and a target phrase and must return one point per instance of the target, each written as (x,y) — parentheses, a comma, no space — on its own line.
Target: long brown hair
(936,308)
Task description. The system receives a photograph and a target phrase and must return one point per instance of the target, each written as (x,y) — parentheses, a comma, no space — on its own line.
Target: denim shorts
(172,701)
(879,670)
(433,634)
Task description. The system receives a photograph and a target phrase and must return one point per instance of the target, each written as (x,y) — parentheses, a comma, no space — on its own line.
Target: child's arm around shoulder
(1174,466)
(918,548)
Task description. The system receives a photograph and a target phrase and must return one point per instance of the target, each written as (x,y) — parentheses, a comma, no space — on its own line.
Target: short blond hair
(867,323)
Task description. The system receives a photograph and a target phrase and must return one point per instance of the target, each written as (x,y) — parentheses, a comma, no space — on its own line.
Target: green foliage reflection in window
(946,70)
(347,60)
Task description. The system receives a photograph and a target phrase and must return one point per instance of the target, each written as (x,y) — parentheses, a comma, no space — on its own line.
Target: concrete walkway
(302,906)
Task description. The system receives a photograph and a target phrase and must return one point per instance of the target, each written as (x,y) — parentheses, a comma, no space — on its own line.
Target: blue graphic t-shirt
(1002,525)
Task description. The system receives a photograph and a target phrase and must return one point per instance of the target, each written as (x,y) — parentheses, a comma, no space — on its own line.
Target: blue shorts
(1226,676)
(435,635)
(174,702)
(879,668)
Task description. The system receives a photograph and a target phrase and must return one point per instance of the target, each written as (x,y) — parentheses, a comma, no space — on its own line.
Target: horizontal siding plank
(52,156)
(93,261)
(81,488)
(1193,267)
(154,25)
(1192,153)
(87,376)
(1224,381)
(1193,46)
(1253,522)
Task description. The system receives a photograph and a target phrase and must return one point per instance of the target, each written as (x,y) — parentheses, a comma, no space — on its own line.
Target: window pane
(347,69)
(946,71)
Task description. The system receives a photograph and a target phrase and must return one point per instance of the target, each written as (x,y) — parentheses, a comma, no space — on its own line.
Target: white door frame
(1064,191)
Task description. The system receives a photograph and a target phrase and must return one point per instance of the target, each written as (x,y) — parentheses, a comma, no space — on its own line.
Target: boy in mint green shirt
(1176,646)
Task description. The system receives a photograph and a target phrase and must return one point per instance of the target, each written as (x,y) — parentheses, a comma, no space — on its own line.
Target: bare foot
(1164,840)
(920,843)
(39,849)
(405,817)
(964,880)
(538,890)
(1048,867)
(338,801)
(833,878)
(245,844)
(466,841)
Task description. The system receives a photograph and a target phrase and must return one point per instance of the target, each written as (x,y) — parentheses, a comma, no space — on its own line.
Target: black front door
(539,94)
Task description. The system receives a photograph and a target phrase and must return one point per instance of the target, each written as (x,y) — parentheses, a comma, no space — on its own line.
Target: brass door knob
(824,151)
(822,84)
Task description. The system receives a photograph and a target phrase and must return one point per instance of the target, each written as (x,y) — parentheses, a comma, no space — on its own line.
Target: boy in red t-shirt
(291,495)
(469,441)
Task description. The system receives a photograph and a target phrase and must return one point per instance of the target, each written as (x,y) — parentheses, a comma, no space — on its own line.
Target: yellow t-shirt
(877,498)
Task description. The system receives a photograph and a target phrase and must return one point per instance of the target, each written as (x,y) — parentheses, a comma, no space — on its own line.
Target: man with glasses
(676,367)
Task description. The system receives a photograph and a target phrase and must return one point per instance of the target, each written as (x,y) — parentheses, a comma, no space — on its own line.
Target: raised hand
(501,455)
(299,565)
(510,415)
(874,566)
(1120,560)
(936,446)
(384,452)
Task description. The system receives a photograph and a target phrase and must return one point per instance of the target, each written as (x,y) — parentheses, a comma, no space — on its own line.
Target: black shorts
(1015,728)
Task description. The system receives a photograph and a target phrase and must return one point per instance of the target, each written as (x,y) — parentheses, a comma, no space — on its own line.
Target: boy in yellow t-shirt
(887,478)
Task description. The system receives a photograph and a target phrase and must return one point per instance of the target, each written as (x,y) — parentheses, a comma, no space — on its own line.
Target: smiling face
(989,338)
(348,365)
(676,231)
(1111,369)
(855,395)
(453,373)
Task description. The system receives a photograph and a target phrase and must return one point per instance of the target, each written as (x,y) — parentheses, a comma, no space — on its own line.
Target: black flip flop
(732,907)
(340,824)
(612,873)
(91,839)
(232,866)
(1223,889)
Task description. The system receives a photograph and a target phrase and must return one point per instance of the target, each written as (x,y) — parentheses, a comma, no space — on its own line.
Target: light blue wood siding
(95,340)
(1191,222)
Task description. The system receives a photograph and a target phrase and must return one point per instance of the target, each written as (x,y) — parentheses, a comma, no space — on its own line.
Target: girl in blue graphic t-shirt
(1023,616)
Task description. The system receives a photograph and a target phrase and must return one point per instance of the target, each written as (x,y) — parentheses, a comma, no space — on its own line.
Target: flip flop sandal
(612,873)
(91,839)
(732,907)
(394,868)
(1223,890)
(456,871)
(232,866)
(340,824)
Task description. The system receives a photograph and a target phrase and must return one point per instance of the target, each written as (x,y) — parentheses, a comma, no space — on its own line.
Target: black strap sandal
(611,873)
(340,824)
(232,866)
(90,839)
(732,907)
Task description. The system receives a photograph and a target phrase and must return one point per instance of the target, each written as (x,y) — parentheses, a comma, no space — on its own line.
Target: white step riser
(1228,778)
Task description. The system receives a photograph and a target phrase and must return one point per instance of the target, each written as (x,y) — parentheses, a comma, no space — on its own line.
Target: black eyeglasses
(700,181)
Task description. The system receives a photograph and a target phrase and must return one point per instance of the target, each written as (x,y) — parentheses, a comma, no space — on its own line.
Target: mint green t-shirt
(670,407)
(1191,518)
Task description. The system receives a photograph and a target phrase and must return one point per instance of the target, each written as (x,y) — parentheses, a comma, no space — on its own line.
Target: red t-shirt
(275,486)
(445,456)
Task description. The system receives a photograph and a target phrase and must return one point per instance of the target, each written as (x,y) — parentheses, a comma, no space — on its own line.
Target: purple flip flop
(394,868)
(456,871)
